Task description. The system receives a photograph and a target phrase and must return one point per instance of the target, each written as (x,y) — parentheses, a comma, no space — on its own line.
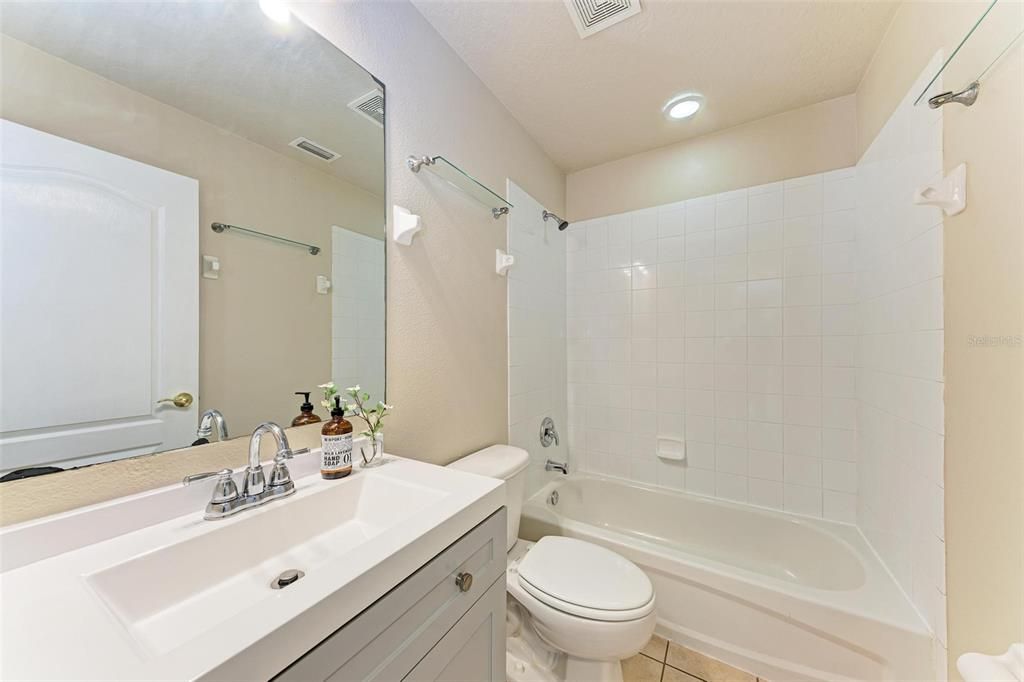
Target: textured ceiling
(595,100)
(225,63)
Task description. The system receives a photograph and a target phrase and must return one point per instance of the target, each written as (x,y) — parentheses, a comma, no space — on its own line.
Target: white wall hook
(405,225)
(503,261)
(323,284)
(950,194)
(1007,667)
(211,267)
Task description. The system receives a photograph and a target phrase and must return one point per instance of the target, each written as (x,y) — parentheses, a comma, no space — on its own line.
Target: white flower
(325,403)
(384,406)
(329,384)
(353,389)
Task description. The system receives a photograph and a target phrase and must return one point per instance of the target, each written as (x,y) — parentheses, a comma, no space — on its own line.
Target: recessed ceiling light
(277,10)
(683,106)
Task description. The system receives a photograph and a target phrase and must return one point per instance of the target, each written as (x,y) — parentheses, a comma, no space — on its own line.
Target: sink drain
(286,578)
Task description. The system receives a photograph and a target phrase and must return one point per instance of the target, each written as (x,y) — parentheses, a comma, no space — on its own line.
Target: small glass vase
(372,452)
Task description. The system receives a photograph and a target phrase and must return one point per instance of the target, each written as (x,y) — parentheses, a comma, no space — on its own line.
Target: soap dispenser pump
(306,415)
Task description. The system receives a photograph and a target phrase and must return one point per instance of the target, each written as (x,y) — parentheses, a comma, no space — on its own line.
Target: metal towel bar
(220,227)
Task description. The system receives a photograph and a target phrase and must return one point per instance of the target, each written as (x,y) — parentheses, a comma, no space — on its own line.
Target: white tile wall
(728,321)
(790,333)
(536,327)
(899,378)
(357,299)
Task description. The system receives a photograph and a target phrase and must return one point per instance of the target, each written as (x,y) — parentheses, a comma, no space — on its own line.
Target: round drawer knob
(464,581)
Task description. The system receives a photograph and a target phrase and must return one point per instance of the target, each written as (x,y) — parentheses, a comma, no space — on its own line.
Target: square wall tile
(731,212)
(700,214)
(764,206)
(803,196)
(764,264)
(804,500)
(732,321)
(766,236)
(764,493)
(699,245)
(766,293)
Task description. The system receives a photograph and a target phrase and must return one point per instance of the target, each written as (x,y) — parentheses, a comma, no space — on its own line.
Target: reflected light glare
(277,10)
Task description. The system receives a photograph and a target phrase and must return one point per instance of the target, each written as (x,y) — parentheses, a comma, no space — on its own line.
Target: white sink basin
(170,595)
(143,588)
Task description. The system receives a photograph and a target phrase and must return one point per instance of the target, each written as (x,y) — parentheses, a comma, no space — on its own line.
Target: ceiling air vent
(370,105)
(591,16)
(318,150)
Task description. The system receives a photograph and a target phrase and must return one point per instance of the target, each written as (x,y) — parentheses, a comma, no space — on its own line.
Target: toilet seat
(585,580)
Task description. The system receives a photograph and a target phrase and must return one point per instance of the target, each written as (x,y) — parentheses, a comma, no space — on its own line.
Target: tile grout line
(665,666)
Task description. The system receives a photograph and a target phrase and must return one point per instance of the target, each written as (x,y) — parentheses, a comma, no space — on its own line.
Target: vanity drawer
(389,638)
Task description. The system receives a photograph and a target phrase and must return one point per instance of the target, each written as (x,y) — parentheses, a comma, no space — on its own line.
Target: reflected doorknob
(182,400)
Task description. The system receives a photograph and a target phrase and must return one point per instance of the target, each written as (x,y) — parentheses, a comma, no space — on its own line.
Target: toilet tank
(509,464)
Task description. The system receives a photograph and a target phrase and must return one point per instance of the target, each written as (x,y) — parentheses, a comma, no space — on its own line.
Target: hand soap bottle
(306,415)
(336,441)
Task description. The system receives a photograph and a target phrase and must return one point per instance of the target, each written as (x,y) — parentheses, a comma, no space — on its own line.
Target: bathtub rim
(715,573)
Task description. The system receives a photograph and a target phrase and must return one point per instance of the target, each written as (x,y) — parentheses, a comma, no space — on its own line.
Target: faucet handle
(285,453)
(192,478)
(225,489)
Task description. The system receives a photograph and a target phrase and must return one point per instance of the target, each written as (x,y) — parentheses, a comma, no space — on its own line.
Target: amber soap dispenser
(306,415)
(336,443)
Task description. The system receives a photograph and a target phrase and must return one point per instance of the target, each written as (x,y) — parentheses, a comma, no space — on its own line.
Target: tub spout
(552,465)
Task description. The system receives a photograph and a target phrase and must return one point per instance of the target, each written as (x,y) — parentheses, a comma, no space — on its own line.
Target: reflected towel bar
(220,227)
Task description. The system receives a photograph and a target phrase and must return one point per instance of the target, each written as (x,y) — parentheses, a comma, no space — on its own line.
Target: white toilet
(575,609)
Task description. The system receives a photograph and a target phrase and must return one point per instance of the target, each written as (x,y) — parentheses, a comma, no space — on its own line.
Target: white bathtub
(783,596)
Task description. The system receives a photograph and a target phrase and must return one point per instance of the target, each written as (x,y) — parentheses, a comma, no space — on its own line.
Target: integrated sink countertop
(143,588)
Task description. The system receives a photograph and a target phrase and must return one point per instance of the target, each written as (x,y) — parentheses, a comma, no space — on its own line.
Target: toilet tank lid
(497,461)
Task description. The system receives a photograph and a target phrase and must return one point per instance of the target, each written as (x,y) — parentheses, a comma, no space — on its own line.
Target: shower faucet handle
(548,434)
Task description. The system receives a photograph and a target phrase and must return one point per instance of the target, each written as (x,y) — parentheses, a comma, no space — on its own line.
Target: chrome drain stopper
(286,578)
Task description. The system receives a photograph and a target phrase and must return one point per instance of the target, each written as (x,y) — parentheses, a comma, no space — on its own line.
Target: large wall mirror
(193,219)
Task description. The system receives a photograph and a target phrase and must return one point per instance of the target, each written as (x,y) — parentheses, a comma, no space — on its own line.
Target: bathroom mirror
(193,219)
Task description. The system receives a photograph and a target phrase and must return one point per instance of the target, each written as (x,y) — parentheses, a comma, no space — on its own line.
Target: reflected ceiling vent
(370,105)
(318,150)
(591,16)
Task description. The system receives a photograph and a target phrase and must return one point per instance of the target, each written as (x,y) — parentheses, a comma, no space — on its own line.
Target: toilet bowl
(575,609)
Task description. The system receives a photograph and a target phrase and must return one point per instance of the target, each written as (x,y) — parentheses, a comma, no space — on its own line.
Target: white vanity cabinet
(446,621)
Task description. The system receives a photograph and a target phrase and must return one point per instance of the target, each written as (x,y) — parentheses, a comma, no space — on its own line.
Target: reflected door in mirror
(100,303)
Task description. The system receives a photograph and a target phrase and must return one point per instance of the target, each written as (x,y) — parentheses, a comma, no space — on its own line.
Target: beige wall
(447,346)
(809,140)
(33,497)
(984,295)
(264,311)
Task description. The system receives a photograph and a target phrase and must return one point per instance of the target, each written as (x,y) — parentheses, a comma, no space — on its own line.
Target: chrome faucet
(548,434)
(552,465)
(227,500)
(207,421)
